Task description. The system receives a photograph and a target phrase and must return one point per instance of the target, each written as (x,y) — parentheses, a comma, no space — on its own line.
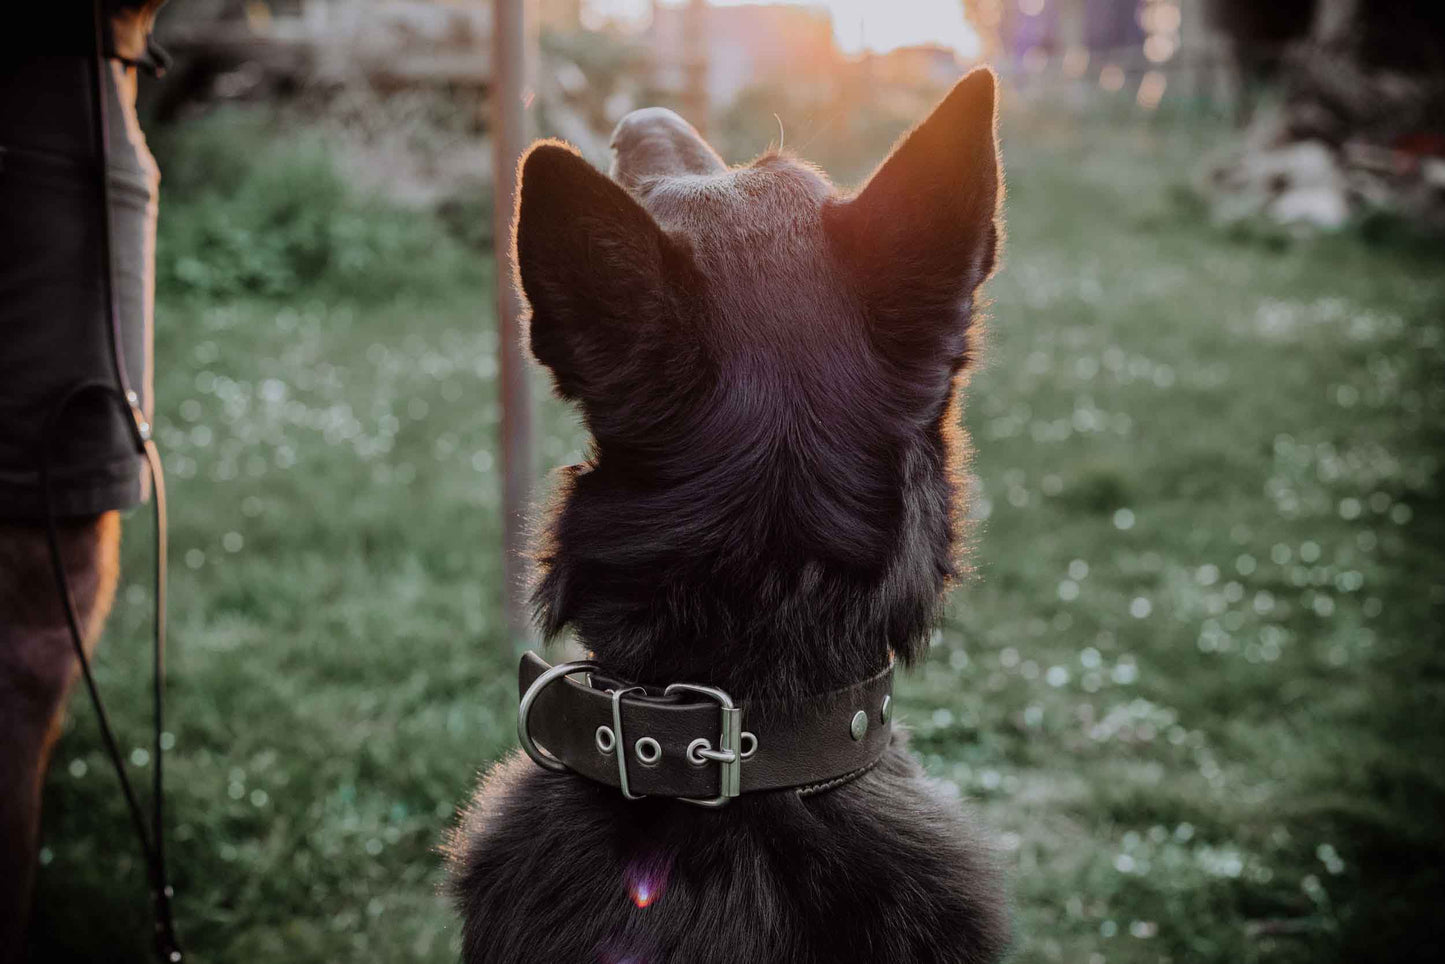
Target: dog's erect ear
(922,234)
(593,266)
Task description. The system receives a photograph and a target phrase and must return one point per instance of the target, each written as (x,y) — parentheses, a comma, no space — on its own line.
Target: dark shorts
(53,320)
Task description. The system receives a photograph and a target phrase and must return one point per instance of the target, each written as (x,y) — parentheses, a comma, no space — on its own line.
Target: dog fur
(772,375)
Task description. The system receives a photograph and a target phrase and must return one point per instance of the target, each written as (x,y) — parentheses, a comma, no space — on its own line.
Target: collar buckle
(729,752)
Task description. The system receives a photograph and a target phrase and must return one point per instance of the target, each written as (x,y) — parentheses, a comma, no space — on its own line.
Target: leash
(152,841)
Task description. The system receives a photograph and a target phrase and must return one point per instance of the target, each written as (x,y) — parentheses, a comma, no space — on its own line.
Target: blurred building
(928,67)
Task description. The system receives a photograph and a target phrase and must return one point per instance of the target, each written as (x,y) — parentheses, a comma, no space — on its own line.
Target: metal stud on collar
(859,725)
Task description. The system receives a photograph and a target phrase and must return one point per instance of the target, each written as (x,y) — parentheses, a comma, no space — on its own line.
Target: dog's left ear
(922,234)
(595,269)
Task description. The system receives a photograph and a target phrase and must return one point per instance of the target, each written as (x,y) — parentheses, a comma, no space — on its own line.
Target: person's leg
(37,669)
(56,317)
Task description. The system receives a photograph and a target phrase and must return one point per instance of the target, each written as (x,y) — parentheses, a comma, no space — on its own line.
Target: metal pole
(509,43)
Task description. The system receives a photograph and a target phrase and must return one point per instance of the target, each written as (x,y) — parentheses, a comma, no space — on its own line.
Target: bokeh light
(645,879)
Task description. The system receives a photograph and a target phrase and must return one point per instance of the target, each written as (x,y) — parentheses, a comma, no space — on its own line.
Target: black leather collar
(692,743)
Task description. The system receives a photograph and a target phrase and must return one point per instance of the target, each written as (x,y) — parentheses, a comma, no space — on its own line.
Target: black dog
(772,375)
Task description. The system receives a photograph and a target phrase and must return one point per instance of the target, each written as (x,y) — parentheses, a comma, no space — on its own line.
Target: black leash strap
(152,841)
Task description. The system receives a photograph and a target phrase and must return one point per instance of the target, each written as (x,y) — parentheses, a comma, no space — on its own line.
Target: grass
(1194,687)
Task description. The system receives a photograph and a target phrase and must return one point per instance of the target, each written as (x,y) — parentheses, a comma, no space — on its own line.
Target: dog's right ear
(593,266)
(923,232)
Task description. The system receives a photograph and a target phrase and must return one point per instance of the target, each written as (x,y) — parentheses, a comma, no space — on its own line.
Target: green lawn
(1194,686)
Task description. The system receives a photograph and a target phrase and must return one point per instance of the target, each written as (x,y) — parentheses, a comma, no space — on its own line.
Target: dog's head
(769,370)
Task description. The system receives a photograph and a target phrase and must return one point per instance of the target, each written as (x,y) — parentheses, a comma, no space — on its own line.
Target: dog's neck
(656,601)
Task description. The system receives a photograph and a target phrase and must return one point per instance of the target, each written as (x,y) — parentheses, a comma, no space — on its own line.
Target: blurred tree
(1261,32)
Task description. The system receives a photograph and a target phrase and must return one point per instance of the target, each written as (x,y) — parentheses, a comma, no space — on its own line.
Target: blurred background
(1193,686)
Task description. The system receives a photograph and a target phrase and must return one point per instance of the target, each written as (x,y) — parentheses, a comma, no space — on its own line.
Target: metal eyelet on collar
(694,751)
(749,751)
(648,750)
